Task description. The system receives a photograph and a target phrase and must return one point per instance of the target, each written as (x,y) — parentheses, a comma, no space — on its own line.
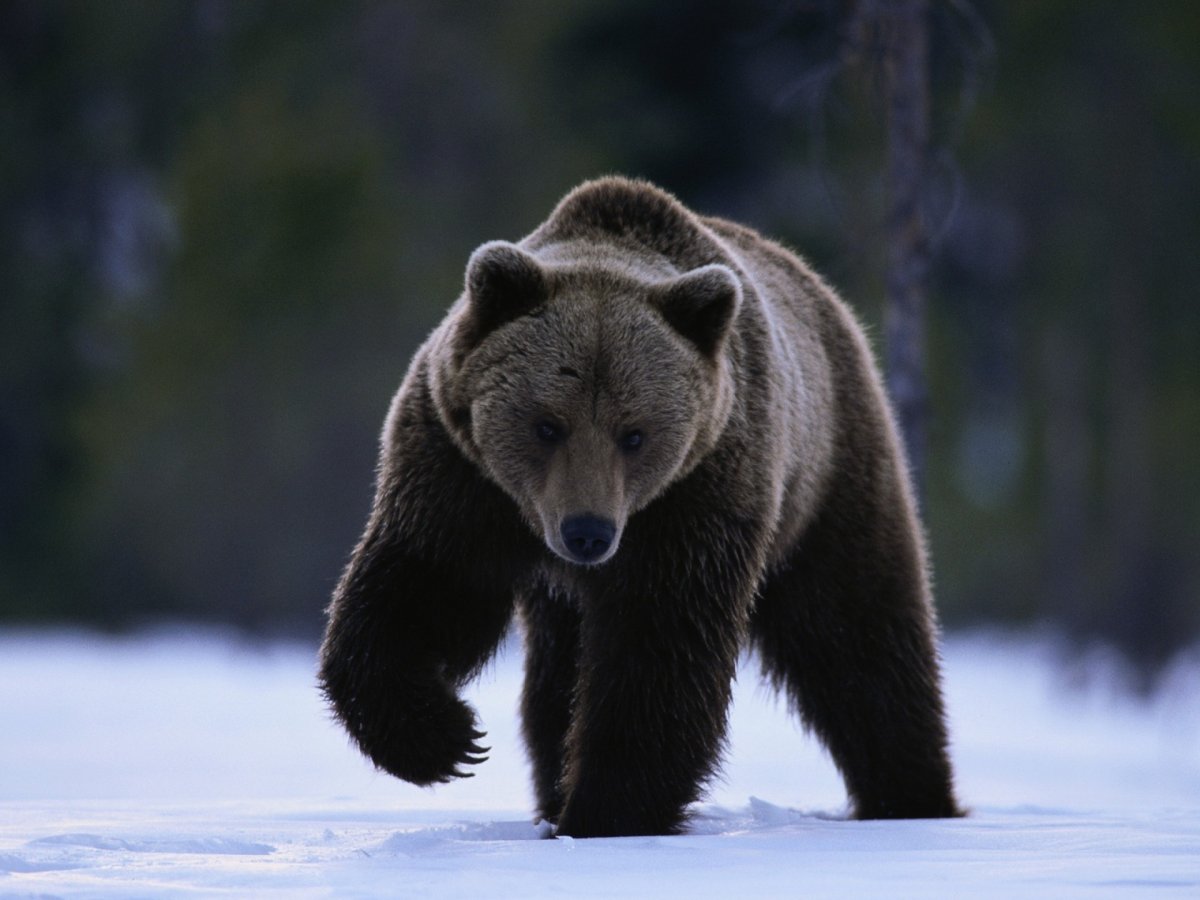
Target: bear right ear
(503,283)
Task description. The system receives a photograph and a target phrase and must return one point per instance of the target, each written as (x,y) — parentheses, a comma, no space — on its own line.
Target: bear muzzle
(588,539)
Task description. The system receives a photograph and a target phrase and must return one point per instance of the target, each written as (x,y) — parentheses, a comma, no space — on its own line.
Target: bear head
(584,385)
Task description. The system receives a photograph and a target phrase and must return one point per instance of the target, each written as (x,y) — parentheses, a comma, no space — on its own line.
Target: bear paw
(431,744)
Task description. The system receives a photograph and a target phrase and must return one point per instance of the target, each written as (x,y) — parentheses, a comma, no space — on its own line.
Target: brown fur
(699,406)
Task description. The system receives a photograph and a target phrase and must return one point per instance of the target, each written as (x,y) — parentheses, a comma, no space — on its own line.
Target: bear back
(634,215)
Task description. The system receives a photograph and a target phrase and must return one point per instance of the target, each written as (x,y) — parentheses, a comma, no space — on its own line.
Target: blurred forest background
(227,224)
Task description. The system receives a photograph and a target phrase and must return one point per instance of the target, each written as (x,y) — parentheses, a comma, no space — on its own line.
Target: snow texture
(191,764)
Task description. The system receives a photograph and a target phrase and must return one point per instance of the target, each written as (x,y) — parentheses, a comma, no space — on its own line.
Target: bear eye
(631,440)
(548,432)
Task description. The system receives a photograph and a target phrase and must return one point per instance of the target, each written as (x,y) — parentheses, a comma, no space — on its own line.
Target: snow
(185,764)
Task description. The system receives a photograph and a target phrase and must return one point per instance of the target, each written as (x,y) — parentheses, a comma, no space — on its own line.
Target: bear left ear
(700,305)
(503,283)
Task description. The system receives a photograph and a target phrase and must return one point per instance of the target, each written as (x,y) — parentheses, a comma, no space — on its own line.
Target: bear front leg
(659,646)
(425,600)
(404,633)
(551,671)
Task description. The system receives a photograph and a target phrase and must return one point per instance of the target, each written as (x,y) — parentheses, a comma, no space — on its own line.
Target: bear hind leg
(845,628)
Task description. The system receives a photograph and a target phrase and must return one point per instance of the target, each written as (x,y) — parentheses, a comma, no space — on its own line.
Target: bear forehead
(613,341)
(598,349)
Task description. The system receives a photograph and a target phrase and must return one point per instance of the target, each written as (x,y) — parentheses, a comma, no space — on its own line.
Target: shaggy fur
(657,437)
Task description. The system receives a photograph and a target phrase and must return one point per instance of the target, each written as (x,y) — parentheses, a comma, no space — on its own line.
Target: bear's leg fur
(410,624)
(660,633)
(844,627)
(404,634)
(551,671)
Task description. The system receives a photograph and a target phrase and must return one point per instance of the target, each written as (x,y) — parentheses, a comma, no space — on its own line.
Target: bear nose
(586,537)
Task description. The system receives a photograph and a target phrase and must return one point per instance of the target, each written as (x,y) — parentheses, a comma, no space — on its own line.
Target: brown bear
(657,438)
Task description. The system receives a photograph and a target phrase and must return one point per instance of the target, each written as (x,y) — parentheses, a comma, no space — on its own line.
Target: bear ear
(503,283)
(700,305)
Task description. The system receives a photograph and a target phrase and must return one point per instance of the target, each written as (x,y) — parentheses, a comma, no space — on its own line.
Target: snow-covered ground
(183,764)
